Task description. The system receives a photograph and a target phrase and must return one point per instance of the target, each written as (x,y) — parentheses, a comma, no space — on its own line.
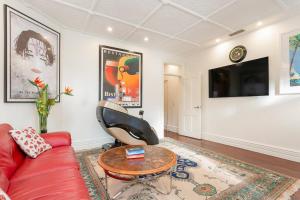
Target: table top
(157,159)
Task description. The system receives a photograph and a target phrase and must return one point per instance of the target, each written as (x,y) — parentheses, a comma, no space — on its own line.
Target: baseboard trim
(90,143)
(285,153)
(171,128)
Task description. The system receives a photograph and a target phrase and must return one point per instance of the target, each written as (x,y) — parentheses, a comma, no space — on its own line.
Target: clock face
(237,54)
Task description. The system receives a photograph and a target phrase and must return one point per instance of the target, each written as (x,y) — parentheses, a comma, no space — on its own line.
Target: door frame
(166,107)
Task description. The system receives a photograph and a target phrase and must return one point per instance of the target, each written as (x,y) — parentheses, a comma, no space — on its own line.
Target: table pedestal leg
(146,183)
(106,186)
(124,190)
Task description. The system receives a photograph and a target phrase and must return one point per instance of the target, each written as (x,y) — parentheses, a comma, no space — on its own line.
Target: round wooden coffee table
(158,161)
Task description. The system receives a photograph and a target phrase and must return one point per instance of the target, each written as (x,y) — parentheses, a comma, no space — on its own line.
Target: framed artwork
(290,66)
(31,50)
(121,76)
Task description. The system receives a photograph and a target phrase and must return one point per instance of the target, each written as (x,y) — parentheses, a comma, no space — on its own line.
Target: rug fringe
(287,195)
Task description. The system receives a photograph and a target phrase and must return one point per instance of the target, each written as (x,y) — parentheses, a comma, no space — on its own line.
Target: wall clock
(237,54)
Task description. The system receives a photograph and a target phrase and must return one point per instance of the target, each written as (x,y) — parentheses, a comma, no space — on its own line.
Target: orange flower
(38,81)
(41,85)
(68,90)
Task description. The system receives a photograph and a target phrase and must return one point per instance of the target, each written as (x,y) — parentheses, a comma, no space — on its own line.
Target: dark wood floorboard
(283,166)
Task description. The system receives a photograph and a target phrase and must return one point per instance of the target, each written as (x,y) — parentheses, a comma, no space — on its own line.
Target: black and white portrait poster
(32,50)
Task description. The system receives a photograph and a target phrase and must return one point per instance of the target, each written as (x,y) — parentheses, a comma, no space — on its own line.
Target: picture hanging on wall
(31,50)
(121,76)
(290,65)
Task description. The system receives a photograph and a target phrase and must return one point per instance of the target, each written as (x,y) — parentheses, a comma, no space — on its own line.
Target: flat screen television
(249,78)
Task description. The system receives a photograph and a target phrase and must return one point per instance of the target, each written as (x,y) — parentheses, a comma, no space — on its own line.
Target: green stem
(43,123)
(39,92)
(59,95)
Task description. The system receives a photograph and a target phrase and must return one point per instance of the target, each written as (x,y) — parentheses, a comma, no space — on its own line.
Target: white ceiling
(172,25)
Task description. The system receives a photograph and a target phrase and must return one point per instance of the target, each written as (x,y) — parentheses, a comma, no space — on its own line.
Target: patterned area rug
(200,174)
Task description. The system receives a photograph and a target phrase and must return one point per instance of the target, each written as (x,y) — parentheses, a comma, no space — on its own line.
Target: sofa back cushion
(4,182)
(11,156)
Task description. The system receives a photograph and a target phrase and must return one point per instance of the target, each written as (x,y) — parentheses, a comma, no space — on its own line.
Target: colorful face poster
(290,63)
(294,60)
(121,76)
(31,50)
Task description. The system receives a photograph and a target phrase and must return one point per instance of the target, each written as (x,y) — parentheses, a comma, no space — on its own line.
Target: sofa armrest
(57,139)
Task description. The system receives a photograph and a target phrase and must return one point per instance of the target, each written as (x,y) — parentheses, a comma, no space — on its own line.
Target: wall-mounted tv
(249,78)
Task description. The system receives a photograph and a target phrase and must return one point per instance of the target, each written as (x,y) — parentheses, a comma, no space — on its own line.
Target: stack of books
(135,152)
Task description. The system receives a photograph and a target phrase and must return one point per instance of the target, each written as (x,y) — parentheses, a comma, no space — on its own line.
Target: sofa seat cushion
(58,158)
(60,184)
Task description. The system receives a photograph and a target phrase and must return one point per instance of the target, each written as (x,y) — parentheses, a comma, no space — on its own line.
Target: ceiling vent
(236,32)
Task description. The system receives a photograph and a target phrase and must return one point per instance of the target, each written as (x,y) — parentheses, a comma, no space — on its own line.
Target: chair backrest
(11,156)
(113,106)
(126,128)
(99,112)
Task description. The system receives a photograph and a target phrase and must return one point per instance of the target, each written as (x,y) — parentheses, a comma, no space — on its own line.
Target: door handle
(197,107)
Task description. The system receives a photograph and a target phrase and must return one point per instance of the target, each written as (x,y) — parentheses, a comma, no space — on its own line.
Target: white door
(191,119)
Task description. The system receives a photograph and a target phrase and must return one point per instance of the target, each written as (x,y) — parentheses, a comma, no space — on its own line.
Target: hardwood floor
(283,166)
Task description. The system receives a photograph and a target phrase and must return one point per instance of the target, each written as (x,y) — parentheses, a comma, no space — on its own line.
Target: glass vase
(43,124)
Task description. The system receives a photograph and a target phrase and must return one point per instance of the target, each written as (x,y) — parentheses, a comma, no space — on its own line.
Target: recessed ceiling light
(109,29)
(218,40)
(259,23)
(146,39)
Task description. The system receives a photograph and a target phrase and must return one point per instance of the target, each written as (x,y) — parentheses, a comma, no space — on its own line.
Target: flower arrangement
(44,103)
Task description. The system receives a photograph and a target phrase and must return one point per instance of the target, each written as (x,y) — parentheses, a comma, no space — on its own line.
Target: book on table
(135,156)
(135,151)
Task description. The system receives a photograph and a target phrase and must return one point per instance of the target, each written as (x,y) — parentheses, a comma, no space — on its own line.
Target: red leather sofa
(52,175)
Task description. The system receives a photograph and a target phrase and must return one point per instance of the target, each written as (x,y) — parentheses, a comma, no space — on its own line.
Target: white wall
(265,124)
(79,69)
(173,70)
